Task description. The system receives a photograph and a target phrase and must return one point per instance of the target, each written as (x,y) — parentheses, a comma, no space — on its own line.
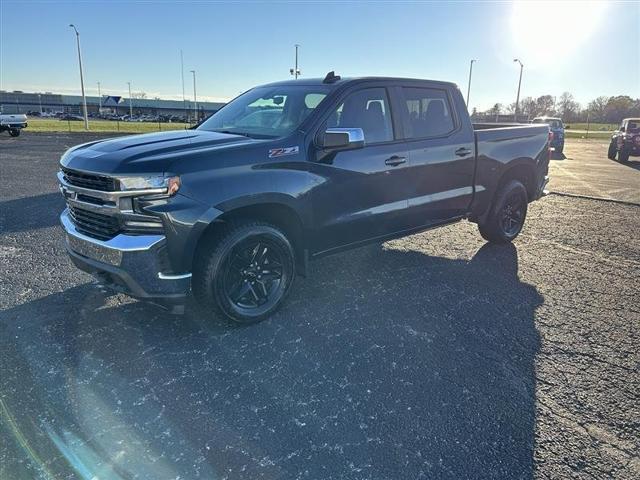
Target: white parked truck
(12,123)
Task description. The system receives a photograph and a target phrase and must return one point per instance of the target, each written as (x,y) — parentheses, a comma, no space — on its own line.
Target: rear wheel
(14,132)
(560,149)
(507,215)
(612,152)
(246,273)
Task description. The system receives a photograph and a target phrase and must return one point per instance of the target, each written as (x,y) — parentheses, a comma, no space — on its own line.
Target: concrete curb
(600,199)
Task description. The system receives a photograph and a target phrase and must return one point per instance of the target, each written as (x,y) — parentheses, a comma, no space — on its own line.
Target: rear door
(364,194)
(441,153)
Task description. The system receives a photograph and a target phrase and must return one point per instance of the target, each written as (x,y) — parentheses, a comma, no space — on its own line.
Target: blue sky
(587,48)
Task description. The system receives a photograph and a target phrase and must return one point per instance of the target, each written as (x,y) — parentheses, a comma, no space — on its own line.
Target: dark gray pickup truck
(286,173)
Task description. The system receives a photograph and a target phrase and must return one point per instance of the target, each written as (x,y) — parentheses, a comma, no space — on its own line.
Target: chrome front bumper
(132,264)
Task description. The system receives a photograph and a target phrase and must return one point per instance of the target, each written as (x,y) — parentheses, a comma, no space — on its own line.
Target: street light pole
(99,98)
(195,98)
(184,100)
(40,102)
(469,86)
(295,71)
(130,104)
(515,116)
(84,99)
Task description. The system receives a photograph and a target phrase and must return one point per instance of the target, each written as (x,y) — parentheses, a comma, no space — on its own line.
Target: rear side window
(428,112)
(367,109)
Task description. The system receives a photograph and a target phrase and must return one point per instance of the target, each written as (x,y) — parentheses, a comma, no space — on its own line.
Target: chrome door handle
(463,152)
(395,160)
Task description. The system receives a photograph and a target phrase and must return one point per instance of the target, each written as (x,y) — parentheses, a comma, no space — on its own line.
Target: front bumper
(131,264)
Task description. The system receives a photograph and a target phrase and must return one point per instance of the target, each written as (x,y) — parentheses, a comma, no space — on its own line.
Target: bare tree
(597,108)
(567,107)
(545,105)
(138,95)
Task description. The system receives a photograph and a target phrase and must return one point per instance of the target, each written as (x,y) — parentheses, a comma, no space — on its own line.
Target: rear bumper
(130,264)
(541,192)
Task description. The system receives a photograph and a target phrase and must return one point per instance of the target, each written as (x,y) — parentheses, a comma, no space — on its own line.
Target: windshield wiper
(231,132)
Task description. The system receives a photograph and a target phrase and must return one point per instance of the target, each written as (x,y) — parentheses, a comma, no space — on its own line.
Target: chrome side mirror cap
(342,139)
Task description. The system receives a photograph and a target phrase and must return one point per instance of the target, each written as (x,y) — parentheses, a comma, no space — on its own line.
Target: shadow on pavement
(635,164)
(384,364)
(31,213)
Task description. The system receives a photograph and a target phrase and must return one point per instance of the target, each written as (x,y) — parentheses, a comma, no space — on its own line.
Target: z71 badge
(281,152)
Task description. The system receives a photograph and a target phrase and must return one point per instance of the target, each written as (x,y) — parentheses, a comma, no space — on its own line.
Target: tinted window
(552,123)
(428,112)
(367,109)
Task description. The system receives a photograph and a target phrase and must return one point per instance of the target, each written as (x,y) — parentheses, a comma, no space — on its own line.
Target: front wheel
(507,215)
(246,273)
(612,152)
(14,132)
(623,155)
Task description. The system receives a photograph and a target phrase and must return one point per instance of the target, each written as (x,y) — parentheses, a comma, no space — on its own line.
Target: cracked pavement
(432,356)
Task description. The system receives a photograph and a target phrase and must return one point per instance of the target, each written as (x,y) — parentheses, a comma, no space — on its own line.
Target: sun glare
(545,33)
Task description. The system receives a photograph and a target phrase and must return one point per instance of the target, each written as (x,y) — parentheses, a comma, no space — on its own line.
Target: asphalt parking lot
(433,356)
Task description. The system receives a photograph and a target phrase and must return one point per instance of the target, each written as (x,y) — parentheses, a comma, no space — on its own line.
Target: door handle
(395,160)
(463,152)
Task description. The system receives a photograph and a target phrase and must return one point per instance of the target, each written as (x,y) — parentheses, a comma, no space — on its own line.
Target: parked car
(13,123)
(557,128)
(235,213)
(625,141)
(73,118)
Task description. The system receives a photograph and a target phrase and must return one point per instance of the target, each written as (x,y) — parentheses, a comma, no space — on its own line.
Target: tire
(507,215)
(612,152)
(244,273)
(560,149)
(623,155)
(14,132)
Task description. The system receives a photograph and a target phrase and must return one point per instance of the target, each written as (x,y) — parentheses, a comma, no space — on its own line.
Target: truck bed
(501,147)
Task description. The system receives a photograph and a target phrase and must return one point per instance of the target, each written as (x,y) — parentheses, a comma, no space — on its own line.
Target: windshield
(633,127)
(267,112)
(550,122)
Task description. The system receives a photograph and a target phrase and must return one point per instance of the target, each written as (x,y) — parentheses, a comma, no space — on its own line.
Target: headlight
(170,184)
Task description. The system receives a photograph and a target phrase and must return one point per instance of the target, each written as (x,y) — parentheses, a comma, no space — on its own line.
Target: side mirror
(342,139)
(622,129)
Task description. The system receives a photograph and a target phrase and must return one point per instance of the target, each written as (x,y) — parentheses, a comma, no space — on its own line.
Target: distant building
(23,102)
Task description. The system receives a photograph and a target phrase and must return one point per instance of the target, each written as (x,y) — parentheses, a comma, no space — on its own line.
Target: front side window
(267,112)
(367,109)
(633,127)
(428,112)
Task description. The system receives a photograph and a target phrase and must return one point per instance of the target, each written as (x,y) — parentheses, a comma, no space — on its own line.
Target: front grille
(96,225)
(90,180)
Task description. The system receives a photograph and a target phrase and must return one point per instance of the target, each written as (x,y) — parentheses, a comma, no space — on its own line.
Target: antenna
(331,77)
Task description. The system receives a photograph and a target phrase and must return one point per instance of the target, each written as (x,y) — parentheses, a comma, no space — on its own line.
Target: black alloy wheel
(253,274)
(513,213)
(244,271)
(507,215)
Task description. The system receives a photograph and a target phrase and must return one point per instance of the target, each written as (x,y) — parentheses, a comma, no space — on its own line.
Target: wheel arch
(524,172)
(277,213)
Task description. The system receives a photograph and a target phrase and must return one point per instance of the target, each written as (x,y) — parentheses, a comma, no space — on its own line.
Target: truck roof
(343,81)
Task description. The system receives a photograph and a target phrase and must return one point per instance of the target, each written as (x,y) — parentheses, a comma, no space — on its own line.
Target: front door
(364,194)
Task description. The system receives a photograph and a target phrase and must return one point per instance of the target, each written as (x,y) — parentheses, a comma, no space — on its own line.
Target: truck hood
(148,153)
